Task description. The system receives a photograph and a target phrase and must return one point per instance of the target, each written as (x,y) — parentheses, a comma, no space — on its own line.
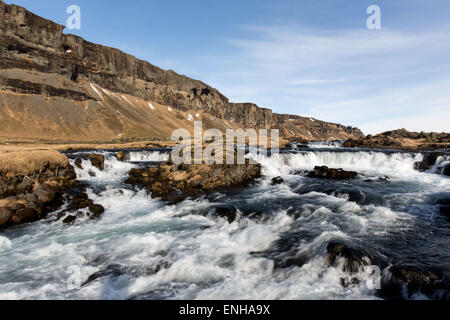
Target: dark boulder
(9,186)
(429,160)
(444,201)
(413,278)
(67,173)
(25,215)
(335,174)
(70,219)
(78,163)
(5,214)
(354,260)
(25,186)
(123,155)
(96,210)
(446,171)
(31,198)
(174,183)
(445,210)
(444,206)
(353,195)
(80,201)
(228,212)
(277,180)
(17,206)
(45,194)
(115,270)
(97,160)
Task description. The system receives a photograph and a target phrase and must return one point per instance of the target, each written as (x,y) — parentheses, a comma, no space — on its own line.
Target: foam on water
(395,164)
(115,171)
(5,243)
(325,144)
(198,257)
(148,156)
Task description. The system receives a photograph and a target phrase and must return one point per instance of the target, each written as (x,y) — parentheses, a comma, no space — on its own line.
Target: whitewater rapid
(143,248)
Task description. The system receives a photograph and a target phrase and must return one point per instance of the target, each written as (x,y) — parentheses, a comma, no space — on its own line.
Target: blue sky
(314,58)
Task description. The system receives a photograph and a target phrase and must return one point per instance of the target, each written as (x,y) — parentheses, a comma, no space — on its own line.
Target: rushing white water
(148,156)
(325,144)
(441,163)
(362,161)
(146,249)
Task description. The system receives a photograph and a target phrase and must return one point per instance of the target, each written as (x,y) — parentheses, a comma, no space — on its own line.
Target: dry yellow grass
(26,158)
(27,162)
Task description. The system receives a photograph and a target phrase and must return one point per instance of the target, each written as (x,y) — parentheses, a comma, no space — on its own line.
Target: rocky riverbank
(402,139)
(28,198)
(35,183)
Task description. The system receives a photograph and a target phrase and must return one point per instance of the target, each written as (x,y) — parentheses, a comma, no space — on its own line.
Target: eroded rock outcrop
(428,161)
(335,174)
(28,198)
(174,183)
(401,281)
(78,201)
(402,139)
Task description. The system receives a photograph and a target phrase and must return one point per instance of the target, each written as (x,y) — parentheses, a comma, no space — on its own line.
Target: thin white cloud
(357,77)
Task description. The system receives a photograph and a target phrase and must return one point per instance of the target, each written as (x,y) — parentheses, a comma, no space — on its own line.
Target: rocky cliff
(59,84)
(402,139)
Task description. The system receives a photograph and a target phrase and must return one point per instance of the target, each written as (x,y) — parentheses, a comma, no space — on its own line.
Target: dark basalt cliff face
(29,43)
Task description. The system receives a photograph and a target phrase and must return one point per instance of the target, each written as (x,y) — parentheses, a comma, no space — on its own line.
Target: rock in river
(328,173)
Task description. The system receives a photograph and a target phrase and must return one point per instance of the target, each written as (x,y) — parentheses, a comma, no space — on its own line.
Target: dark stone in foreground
(78,163)
(354,259)
(70,219)
(444,206)
(26,186)
(223,211)
(116,270)
(96,210)
(24,216)
(97,160)
(336,174)
(277,180)
(30,198)
(81,201)
(414,279)
(45,194)
(445,210)
(429,160)
(5,214)
(446,171)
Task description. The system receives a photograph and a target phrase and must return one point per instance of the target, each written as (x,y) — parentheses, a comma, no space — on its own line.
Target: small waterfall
(325,144)
(361,161)
(148,156)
